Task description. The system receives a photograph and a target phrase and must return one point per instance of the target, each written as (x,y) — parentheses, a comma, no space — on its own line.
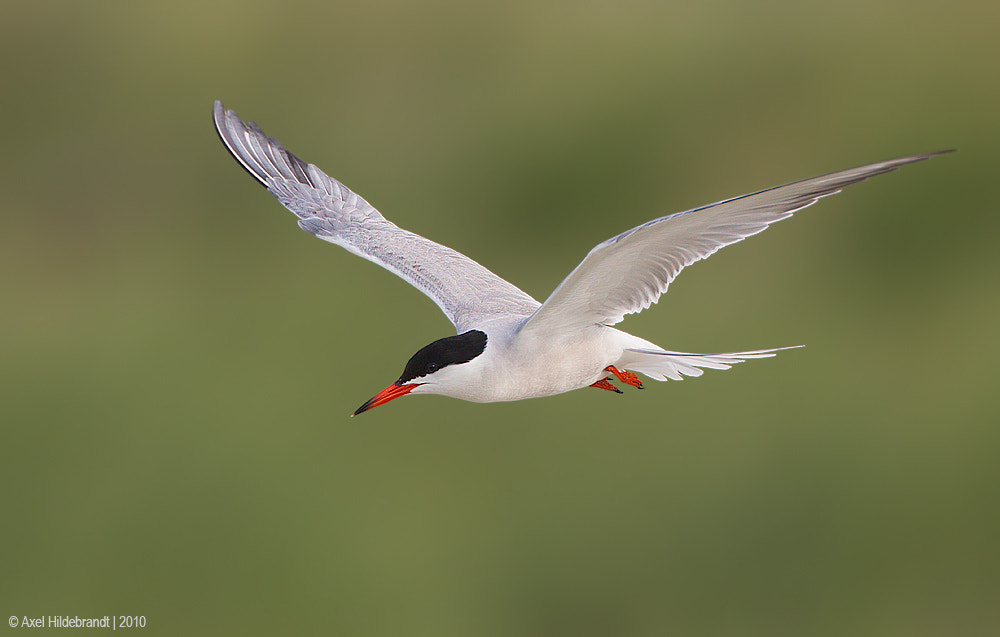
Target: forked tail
(660,364)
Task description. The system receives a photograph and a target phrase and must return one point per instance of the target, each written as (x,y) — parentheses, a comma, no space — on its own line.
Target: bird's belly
(534,370)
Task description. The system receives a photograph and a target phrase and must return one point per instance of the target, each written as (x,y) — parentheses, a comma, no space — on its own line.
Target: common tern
(509,346)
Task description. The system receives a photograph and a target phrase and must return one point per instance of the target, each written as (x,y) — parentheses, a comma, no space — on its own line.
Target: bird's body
(518,365)
(513,368)
(509,346)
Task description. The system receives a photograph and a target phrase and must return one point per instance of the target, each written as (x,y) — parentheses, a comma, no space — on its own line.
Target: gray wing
(628,273)
(465,291)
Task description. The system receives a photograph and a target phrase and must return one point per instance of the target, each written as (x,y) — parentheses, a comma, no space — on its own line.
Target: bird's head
(437,368)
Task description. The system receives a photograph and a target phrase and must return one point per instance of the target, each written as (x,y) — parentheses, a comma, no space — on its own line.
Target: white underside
(515,366)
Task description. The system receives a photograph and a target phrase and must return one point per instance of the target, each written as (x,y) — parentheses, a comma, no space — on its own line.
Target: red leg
(605,383)
(628,378)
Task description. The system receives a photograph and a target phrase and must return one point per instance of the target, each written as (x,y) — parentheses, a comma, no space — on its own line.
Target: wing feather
(466,292)
(629,272)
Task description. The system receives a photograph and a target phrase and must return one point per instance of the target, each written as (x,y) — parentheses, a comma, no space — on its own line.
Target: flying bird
(509,346)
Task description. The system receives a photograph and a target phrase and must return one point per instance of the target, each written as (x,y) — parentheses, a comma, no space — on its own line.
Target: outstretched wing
(465,291)
(628,273)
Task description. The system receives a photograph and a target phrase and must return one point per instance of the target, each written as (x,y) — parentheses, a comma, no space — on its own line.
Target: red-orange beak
(394,390)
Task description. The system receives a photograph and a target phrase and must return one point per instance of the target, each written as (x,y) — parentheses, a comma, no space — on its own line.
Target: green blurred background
(179,360)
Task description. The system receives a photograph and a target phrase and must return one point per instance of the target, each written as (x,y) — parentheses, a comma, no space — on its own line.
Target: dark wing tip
(939,152)
(229,127)
(902,161)
(261,155)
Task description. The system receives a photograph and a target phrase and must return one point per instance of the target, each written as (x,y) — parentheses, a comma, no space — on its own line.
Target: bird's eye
(431,368)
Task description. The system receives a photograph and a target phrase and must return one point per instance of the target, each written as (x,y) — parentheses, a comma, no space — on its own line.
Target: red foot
(628,378)
(605,383)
